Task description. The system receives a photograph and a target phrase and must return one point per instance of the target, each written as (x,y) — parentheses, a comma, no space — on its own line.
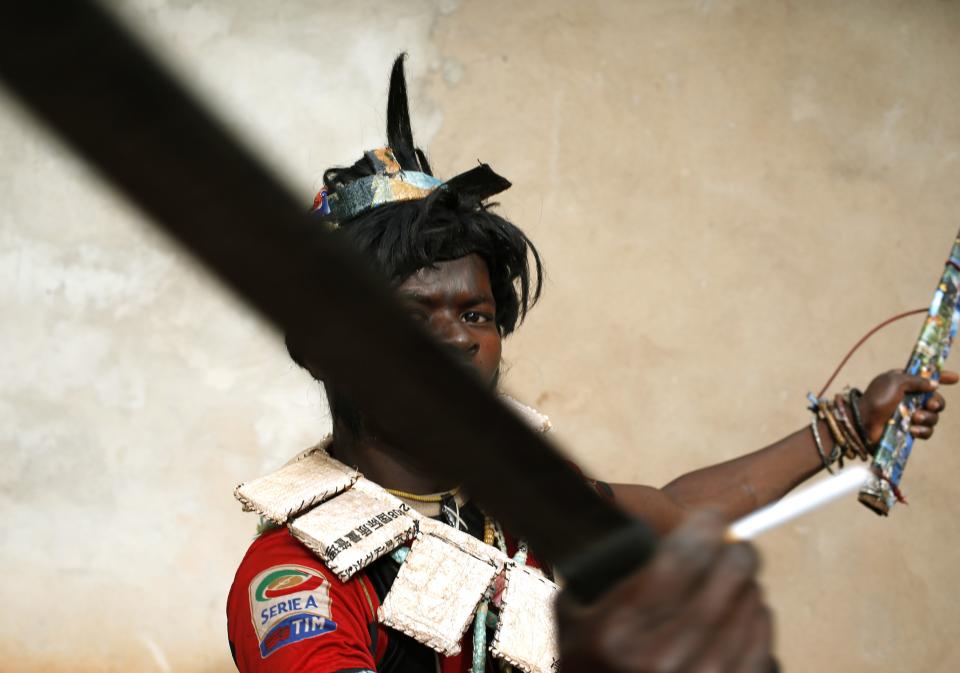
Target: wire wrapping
(863,339)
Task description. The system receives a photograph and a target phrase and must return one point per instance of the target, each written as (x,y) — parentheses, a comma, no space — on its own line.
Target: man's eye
(475,317)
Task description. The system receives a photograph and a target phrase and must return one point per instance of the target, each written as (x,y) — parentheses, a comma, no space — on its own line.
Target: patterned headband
(389,184)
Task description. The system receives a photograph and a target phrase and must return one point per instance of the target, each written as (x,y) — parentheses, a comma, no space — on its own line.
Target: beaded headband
(401,171)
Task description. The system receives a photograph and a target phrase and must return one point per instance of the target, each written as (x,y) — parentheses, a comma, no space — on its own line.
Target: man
(465,274)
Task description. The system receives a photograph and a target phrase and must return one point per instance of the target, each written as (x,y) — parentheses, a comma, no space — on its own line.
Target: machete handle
(596,569)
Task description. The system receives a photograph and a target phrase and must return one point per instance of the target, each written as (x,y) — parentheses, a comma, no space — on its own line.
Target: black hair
(402,237)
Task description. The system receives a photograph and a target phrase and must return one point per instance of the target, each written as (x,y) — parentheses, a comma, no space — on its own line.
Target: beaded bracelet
(842,418)
(855,442)
(825,413)
(814,428)
(837,413)
(853,397)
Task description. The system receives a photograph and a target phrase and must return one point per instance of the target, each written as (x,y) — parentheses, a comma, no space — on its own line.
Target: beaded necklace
(449,506)
(484,619)
(433,497)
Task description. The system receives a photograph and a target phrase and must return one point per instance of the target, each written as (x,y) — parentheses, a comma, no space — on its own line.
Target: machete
(78,70)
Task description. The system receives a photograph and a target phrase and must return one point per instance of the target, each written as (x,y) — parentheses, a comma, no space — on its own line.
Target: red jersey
(287,612)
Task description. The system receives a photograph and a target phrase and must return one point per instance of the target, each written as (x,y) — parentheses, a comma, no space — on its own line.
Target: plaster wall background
(726,194)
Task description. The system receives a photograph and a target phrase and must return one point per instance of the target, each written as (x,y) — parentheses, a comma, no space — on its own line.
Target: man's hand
(696,607)
(880,400)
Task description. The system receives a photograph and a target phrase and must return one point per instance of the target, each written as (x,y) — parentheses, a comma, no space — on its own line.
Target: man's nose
(455,334)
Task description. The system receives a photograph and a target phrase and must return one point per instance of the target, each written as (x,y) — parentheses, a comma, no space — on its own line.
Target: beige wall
(727,194)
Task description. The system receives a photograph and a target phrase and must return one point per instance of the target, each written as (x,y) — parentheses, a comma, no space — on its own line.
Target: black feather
(424,165)
(477,184)
(399,133)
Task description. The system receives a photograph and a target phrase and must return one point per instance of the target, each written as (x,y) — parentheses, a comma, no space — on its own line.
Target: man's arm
(737,487)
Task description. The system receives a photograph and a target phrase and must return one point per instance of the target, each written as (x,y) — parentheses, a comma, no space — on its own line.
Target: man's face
(454,301)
